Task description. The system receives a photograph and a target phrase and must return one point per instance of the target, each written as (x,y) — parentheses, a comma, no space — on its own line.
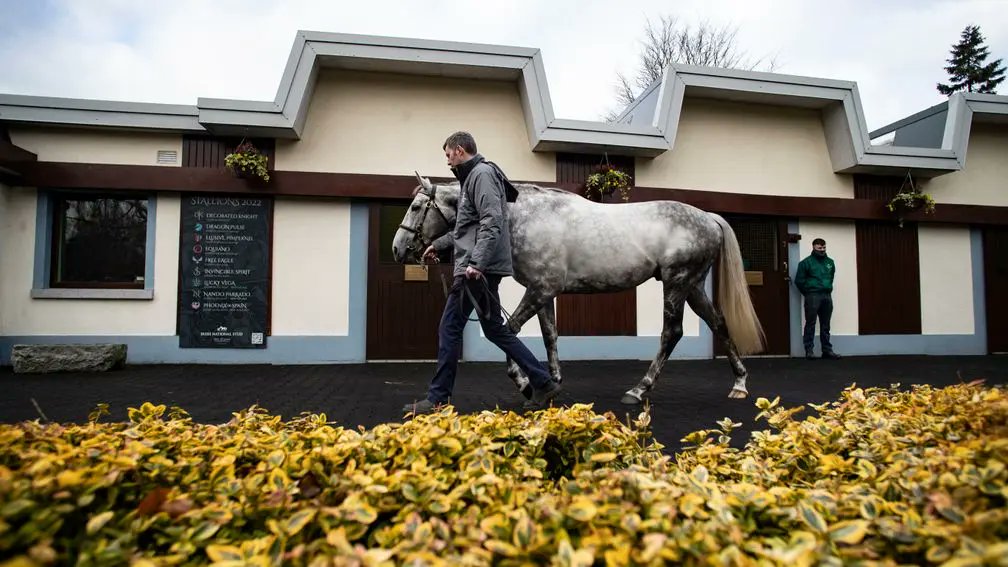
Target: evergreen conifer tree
(966,68)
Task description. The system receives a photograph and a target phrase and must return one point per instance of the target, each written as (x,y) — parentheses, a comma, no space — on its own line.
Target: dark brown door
(598,314)
(595,314)
(995,245)
(888,270)
(763,242)
(402,312)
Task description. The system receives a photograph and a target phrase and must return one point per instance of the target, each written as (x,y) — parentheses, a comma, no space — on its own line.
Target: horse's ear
(424,182)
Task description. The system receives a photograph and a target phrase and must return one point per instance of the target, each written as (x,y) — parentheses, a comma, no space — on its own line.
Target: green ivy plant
(607,181)
(247,160)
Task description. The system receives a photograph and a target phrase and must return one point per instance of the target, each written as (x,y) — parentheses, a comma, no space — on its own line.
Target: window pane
(100,242)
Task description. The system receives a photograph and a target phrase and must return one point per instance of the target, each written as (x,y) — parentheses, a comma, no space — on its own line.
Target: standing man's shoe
(809,354)
(541,397)
(421,406)
(831,355)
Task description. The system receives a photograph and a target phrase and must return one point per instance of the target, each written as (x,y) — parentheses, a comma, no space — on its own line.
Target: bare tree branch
(667,42)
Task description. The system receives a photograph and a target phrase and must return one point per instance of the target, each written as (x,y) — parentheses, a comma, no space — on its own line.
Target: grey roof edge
(285,116)
(96,105)
(960,123)
(917,116)
(416,43)
(53,111)
(960,109)
(848,139)
(656,84)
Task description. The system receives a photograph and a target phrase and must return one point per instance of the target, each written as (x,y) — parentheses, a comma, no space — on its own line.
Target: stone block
(42,359)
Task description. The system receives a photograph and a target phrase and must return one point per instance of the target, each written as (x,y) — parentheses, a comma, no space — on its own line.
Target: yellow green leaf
(205,531)
(618,557)
(496,525)
(439,505)
(276,458)
(338,539)
(410,492)
(97,522)
(850,532)
(451,445)
(501,548)
(223,552)
(360,511)
(524,532)
(869,509)
(811,517)
(866,469)
(68,478)
(937,554)
(603,457)
(582,509)
(297,521)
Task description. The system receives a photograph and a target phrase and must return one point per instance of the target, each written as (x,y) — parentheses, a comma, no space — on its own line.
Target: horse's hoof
(527,391)
(737,394)
(630,399)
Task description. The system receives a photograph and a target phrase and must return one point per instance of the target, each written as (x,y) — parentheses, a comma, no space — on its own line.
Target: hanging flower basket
(247,162)
(910,202)
(607,181)
(910,199)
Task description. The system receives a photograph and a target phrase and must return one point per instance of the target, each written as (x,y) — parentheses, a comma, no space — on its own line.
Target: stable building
(119,222)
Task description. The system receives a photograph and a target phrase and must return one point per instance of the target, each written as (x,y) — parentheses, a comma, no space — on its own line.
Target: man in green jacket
(815,281)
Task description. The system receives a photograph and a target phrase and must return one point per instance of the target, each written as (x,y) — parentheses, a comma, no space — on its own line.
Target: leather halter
(418,229)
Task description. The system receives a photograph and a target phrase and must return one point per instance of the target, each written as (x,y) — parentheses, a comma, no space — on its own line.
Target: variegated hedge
(880,476)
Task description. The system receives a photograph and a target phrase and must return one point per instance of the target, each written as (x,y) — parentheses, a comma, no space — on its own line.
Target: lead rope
(472,298)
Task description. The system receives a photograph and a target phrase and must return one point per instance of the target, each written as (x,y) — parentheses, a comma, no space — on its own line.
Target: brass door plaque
(415,273)
(754,278)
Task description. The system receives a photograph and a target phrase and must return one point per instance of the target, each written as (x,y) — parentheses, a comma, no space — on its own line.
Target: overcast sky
(178,51)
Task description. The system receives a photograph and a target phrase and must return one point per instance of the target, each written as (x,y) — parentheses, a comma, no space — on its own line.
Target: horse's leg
(703,307)
(529,305)
(547,322)
(672,331)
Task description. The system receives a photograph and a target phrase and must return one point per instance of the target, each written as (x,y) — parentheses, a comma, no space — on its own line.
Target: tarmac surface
(689,395)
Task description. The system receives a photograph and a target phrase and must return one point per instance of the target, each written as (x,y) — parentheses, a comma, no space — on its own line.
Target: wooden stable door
(763,242)
(404,305)
(995,246)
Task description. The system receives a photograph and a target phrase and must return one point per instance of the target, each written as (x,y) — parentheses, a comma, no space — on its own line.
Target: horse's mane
(521,187)
(531,187)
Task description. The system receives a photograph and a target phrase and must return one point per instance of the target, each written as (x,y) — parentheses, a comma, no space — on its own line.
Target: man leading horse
(556,237)
(481,238)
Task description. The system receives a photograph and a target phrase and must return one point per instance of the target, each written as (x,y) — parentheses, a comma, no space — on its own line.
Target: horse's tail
(733,295)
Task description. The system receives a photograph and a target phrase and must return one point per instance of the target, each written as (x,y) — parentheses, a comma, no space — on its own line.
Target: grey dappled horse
(564,243)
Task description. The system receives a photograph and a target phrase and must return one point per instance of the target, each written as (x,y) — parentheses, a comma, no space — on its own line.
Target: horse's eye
(414,207)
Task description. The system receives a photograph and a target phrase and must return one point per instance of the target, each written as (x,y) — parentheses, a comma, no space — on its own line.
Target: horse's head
(430,216)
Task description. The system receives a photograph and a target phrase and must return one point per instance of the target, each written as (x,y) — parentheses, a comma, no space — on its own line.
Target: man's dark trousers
(453,321)
(818,305)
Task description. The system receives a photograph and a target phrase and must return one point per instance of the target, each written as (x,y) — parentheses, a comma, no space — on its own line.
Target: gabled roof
(647,128)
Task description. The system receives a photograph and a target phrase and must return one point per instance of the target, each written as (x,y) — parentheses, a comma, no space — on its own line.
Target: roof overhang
(847,137)
(647,128)
(12,157)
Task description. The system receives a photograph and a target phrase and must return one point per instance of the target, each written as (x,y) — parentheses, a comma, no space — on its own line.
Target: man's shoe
(421,406)
(809,354)
(542,397)
(831,355)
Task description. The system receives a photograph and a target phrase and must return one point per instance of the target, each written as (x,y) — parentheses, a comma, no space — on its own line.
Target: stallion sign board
(224,270)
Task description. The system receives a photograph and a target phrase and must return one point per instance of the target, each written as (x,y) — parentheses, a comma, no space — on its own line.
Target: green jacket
(815,275)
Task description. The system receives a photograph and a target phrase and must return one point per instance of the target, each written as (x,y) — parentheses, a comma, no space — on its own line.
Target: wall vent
(167,156)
